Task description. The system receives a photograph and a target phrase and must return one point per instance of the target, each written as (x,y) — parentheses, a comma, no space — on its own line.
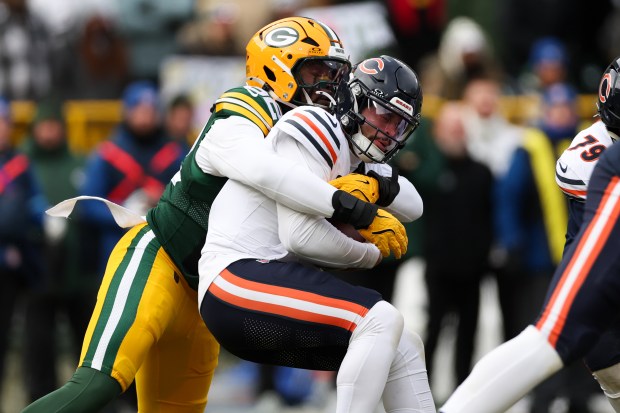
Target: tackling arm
(315,240)
(312,238)
(234,150)
(406,204)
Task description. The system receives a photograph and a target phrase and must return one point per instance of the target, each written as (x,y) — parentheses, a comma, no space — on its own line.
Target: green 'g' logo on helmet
(281,37)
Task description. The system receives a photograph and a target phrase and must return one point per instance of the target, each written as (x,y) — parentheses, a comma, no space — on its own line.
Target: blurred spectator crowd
(491,205)
(90,49)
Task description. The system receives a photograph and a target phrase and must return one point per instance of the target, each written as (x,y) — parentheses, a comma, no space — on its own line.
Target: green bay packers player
(146,324)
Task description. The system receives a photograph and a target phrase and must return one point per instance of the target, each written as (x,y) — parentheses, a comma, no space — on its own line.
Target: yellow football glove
(387,233)
(360,186)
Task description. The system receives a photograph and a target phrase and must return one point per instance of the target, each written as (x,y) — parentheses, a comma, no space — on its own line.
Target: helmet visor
(400,125)
(385,125)
(320,75)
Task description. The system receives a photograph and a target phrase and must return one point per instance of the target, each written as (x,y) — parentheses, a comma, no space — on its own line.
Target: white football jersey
(574,167)
(320,134)
(243,222)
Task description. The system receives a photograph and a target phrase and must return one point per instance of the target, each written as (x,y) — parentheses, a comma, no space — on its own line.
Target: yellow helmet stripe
(236,108)
(253,104)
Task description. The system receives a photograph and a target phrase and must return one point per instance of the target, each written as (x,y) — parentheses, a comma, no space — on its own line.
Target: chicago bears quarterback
(146,324)
(579,318)
(267,306)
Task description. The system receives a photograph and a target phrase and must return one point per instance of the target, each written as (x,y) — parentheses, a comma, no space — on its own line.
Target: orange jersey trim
(590,254)
(319,132)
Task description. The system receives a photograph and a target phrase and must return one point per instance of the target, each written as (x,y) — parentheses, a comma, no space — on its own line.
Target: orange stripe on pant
(283,310)
(590,254)
(298,294)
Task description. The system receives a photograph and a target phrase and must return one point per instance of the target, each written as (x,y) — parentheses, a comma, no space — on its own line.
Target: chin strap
(307,97)
(371,154)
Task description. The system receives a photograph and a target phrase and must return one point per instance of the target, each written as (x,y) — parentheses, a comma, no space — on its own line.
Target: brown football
(348,230)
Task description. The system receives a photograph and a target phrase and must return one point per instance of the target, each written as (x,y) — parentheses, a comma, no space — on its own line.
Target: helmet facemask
(377,128)
(298,60)
(318,79)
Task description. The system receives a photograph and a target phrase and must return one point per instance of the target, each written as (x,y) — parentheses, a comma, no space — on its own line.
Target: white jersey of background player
(382,359)
(574,168)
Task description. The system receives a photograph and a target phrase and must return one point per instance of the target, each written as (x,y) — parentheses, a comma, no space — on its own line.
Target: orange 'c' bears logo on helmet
(604,88)
(364,66)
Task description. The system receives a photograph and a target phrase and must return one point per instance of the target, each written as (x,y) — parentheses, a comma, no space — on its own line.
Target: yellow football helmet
(298,60)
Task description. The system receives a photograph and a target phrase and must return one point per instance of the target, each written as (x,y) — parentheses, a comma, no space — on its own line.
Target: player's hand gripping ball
(360,186)
(387,233)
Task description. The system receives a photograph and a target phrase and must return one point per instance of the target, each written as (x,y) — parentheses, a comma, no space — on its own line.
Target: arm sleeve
(235,148)
(316,241)
(407,206)
(312,238)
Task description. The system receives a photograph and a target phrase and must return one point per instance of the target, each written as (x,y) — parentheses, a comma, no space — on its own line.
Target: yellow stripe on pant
(146,325)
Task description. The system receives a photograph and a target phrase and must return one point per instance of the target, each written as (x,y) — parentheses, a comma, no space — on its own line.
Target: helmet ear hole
(269,73)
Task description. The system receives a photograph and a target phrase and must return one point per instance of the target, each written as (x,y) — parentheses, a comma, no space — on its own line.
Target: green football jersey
(180,218)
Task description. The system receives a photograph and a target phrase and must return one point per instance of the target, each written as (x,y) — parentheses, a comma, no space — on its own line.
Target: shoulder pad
(317,130)
(568,180)
(575,165)
(251,103)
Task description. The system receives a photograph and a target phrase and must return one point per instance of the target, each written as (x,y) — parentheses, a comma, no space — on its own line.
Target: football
(348,230)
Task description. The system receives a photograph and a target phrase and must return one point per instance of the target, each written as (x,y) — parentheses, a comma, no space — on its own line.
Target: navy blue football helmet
(389,88)
(609,96)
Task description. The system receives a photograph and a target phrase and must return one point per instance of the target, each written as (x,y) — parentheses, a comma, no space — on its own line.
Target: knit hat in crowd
(548,50)
(140,92)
